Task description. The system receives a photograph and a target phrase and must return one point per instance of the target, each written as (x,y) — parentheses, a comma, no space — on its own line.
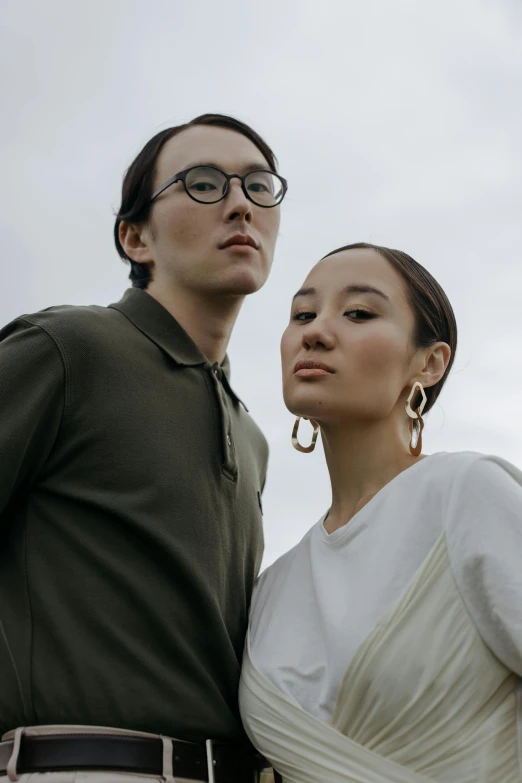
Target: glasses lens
(205,184)
(264,188)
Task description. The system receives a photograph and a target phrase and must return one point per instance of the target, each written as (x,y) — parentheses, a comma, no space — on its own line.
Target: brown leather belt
(232,763)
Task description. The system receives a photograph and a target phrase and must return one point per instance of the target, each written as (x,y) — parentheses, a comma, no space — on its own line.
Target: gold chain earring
(295,442)
(416,416)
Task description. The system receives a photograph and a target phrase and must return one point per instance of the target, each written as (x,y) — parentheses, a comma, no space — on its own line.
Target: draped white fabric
(423,700)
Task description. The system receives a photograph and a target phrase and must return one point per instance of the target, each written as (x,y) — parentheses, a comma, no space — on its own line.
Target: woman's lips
(309,368)
(311,372)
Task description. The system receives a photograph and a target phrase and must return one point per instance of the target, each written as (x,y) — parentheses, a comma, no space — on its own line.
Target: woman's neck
(362,458)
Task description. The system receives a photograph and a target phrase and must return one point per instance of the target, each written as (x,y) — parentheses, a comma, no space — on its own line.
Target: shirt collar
(156,323)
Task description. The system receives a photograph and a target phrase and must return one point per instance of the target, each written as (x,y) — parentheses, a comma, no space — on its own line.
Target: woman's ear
(435,363)
(134,240)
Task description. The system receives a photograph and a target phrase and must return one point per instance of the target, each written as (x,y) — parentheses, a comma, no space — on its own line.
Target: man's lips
(309,368)
(239,239)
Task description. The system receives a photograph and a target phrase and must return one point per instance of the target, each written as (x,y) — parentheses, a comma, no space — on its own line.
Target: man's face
(185,239)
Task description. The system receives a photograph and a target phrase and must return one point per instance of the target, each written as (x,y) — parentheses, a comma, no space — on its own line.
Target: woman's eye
(358,314)
(303,315)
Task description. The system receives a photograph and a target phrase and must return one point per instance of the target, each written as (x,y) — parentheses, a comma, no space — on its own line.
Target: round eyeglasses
(208,185)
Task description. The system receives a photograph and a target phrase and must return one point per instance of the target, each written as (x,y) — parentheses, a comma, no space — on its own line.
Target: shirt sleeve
(484,536)
(31,405)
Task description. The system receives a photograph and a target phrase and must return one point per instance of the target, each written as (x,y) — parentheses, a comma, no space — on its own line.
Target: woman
(387,645)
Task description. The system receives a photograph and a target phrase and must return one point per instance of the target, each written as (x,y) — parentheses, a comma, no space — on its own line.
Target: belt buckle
(209,744)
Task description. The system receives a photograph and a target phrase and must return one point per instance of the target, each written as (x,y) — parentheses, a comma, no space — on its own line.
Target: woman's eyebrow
(304,292)
(365,289)
(350,289)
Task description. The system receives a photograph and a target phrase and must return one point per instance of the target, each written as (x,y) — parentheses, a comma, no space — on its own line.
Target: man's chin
(242,284)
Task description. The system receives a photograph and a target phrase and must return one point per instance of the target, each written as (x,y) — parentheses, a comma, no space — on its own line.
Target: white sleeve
(484,536)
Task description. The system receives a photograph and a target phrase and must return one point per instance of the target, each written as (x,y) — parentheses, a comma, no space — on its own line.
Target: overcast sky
(397,122)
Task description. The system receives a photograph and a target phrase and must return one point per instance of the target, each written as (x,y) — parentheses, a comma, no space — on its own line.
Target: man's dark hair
(139,177)
(434,317)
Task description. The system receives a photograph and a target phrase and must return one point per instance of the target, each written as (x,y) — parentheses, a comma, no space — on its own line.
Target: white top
(313,607)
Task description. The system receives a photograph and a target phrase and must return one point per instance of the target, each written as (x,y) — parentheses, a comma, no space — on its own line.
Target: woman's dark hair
(434,317)
(139,177)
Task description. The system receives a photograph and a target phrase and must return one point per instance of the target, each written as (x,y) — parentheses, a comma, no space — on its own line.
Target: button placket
(230,464)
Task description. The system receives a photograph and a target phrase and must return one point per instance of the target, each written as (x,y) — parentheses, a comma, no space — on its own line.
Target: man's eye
(358,314)
(202,187)
(258,187)
(303,315)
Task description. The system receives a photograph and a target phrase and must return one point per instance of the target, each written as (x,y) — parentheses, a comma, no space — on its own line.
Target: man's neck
(207,320)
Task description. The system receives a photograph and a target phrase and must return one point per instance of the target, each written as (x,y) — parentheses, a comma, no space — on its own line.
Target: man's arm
(32,395)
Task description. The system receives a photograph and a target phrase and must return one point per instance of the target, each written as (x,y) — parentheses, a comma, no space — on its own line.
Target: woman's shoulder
(484,497)
(457,492)
(483,529)
(489,470)
(465,469)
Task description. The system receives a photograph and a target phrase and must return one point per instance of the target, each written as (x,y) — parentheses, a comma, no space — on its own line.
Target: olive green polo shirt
(130,481)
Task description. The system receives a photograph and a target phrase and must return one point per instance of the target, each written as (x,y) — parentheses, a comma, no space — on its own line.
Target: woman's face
(347,352)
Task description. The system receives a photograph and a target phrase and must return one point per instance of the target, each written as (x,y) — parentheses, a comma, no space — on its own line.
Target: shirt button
(229,440)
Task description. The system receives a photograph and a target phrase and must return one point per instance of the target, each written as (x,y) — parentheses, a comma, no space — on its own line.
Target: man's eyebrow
(249,166)
(350,289)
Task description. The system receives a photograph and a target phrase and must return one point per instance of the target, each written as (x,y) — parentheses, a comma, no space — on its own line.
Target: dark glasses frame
(181,177)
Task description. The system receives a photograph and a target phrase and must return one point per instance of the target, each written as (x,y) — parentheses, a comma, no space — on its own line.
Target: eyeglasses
(208,185)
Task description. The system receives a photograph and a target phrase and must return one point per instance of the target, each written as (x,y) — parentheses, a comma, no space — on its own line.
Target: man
(131,479)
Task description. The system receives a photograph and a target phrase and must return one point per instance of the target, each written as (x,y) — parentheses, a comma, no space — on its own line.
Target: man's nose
(238,207)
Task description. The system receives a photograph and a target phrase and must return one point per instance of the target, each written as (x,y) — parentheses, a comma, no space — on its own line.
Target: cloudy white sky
(397,122)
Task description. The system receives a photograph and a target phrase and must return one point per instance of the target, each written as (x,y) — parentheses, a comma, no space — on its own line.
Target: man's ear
(436,360)
(133,239)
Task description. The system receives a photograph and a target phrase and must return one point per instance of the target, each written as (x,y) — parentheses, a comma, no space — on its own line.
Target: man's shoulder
(72,325)
(82,336)
(60,317)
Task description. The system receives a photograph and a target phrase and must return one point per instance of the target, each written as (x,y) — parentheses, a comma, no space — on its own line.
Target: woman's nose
(317,334)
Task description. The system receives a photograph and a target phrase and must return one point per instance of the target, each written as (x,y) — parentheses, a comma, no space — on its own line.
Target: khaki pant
(87,777)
